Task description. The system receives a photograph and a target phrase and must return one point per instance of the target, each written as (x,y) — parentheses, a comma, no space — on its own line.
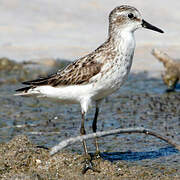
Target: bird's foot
(97,155)
(88,164)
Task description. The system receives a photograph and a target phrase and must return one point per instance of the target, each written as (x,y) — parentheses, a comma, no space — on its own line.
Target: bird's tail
(26,91)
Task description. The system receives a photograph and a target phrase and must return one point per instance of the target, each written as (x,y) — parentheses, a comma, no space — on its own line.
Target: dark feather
(25,89)
(39,81)
(78,72)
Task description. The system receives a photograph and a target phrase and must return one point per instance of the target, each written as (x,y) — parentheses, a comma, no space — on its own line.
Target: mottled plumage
(79,72)
(98,74)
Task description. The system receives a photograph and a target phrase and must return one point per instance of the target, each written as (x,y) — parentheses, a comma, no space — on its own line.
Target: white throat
(125,45)
(125,42)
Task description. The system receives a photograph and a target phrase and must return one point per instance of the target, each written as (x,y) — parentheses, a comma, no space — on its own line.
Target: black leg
(94,124)
(83,132)
(88,160)
(94,127)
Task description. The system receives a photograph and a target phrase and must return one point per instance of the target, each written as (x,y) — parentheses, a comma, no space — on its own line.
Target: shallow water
(141,102)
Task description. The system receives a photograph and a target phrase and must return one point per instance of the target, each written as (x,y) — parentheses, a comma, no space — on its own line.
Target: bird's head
(128,18)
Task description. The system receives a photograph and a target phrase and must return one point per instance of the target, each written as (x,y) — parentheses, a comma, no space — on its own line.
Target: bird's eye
(131,15)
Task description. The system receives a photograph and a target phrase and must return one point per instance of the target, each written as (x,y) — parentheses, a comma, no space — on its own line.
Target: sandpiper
(98,74)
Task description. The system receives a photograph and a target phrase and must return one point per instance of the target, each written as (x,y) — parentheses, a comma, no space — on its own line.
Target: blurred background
(43,31)
(40,29)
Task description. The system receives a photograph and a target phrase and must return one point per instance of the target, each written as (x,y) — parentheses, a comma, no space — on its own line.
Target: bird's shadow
(175,89)
(178,86)
(136,156)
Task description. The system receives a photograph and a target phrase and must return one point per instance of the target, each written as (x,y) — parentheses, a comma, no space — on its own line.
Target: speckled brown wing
(78,72)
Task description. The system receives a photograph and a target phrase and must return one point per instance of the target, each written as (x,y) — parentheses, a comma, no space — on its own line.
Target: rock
(7,64)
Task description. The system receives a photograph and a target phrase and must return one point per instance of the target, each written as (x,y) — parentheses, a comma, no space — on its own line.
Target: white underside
(65,94)
(74,94)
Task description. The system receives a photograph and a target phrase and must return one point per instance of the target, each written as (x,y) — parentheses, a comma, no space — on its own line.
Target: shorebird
(96,75)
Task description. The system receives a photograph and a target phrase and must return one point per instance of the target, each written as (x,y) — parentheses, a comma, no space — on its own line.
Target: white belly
(64,94)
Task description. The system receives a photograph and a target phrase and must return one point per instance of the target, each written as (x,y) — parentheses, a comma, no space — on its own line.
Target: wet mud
(30,126)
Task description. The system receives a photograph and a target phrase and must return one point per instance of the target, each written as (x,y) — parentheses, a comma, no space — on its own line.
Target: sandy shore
(45,123)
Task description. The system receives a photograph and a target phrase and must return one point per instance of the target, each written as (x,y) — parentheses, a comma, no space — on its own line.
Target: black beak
(149,26)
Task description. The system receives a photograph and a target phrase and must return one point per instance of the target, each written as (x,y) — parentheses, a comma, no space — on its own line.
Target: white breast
(115,72)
